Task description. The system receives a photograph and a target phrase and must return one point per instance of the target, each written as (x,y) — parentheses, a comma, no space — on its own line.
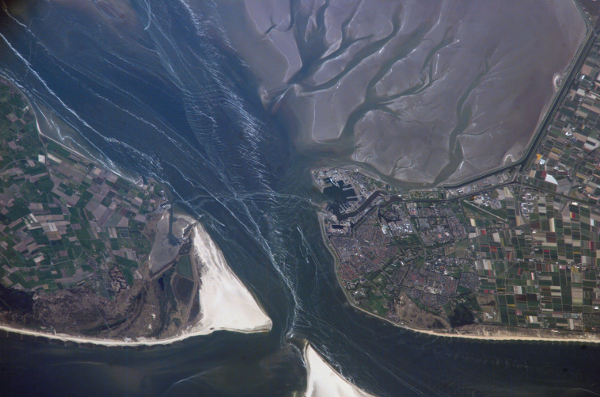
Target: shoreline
(592,338)
(491,338)
(130,178)
(8,81)
(121,343)
(221,288)
(323,380)
(228,290)
(223,272)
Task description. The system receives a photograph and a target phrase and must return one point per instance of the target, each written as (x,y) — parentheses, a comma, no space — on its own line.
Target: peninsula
(89,256)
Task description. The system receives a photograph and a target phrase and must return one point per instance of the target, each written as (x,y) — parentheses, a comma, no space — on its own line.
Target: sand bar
(324,381)
(225,302)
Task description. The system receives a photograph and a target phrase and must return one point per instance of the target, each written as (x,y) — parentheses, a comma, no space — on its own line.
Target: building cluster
(436,223)
(481,184)
(344,179)
(432,289)
(396,221)
(520,255)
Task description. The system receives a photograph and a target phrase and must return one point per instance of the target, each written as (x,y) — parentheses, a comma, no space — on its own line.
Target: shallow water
(154,88)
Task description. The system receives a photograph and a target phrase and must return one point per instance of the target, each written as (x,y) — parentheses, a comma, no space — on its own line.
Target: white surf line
(324,381)
(30,68)
(225,303)
(89,156)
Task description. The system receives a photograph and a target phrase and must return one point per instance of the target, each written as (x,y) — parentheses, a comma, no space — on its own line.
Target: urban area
(519,248)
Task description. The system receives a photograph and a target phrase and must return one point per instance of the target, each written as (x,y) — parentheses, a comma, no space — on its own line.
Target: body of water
(154,88)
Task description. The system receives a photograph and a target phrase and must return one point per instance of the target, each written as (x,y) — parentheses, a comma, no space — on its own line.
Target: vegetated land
(75,240)
(518,250)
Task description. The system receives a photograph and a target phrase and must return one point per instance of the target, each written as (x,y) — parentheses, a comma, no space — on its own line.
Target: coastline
(225,302)
(507,335)
(5,79)
(119,343)
(324,381)
(131,177)
(228,295)
(228,286)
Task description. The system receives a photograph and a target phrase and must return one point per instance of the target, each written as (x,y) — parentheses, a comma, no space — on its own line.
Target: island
(92,256)
(514,253)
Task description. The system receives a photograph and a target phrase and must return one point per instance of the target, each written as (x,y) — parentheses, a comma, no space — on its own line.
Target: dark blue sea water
(153,87)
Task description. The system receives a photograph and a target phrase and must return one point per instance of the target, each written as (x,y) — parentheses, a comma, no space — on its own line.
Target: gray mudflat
(424,91)
(163,251)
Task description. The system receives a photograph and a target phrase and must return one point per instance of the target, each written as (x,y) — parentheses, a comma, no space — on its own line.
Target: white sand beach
(324,381)
(226,304)
(507,335)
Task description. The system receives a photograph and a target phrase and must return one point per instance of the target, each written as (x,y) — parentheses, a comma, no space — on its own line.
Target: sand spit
(324,381)
(225,302)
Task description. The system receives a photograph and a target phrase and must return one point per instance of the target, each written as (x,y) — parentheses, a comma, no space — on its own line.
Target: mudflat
(424,92)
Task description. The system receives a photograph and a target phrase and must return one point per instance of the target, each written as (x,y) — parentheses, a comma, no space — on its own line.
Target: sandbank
(324,381)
